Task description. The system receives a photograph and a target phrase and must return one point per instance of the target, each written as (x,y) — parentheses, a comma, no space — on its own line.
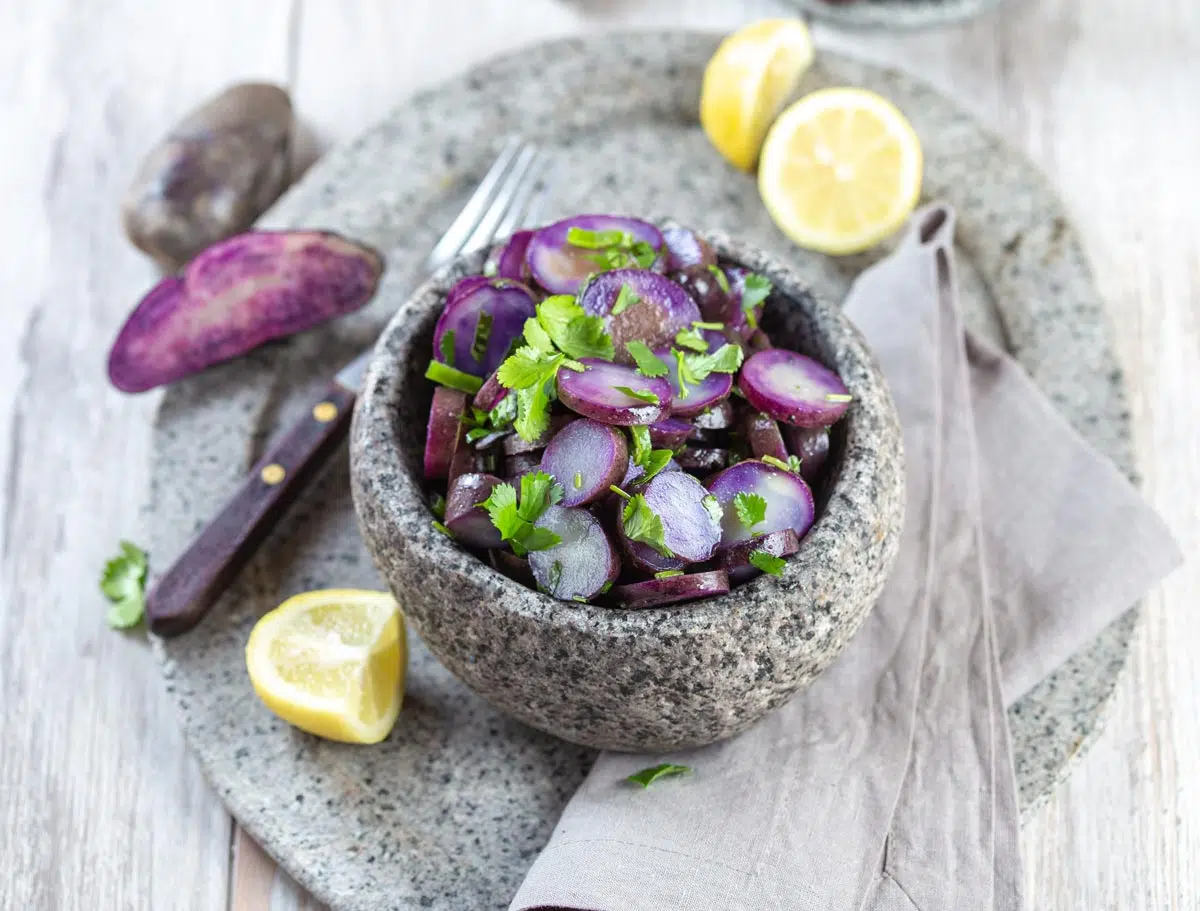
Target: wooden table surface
(100,804)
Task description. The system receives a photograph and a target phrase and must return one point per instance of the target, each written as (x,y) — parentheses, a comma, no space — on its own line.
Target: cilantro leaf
(751,508)
(123,583)
(719,275)
(726,359)
(779,463)
(529,366)
(648,363)
(641,443)
(574,332)
(556,312)
(642,395)
(647,777)
(596,240)
(537,336)
(641,523)
(691,339)
(539,491)
(683,373)
(539,539)
(643,254)
(445,375)
(483,334)
(755,289)
(437,505)
(655,462)
(515,522)
(443,529)
(713,507)
(650,460)
(668,573)
(767,562)
(613,249)
(533,411)
(626,298)
(794,464)
(447,347)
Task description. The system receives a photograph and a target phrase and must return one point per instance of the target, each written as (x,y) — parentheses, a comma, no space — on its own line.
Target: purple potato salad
(611,423)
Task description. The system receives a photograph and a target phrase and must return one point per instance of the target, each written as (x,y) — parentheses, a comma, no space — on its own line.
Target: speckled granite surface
(895,14)
(449,812)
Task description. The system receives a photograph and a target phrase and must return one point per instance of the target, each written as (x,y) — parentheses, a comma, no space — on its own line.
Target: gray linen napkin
(888,783)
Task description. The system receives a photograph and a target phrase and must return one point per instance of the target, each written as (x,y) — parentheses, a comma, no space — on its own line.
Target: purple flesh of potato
(670,433)
(661,311)
(736,559)
(466,519)
(811,446)
(594,393)
(712,389)
(516,568)
(672,590)
(586,458)
(443,431)
(789,501)
(490,394)
(763,436)
(561,268)
(691,525)
(718,417)
(239,294)
(506,302)
(794,389)
(685,249)
(508,260)
(582,563)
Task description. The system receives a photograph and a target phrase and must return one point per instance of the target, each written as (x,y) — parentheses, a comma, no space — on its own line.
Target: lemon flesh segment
(840,170)
(747,81)
(332,663)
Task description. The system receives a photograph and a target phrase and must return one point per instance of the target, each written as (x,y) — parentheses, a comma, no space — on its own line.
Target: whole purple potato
(212,175)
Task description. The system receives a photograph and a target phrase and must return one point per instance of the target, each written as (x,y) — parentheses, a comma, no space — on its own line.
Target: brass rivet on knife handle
(273,473)
(325,412)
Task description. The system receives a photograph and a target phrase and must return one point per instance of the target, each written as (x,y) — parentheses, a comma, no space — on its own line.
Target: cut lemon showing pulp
(748,80)
(332,663)
(840,170)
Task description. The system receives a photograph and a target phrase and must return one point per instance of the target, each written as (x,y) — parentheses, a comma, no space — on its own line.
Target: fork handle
(182,596)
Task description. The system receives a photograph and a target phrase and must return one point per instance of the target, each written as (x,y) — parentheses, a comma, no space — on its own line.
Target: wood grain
(95,783)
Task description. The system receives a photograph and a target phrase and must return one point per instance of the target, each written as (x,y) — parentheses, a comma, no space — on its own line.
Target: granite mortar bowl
(647,680)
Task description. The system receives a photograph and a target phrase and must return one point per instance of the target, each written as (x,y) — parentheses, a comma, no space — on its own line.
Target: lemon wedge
(332,663)
(748,80)
(840,170)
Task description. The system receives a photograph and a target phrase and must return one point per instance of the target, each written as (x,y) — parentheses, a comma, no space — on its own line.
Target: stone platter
(450,811)
(895,14)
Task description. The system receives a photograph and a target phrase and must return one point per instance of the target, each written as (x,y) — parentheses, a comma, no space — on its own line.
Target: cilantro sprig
(751,509)
(692,340)
(613,249)
(755,289)
(123,583)
(648,363)
(693,369)
(499,420)
(645,456)
(515,519)
(453,378)
(641,523)
(647,777)
(574,332)
(768,563)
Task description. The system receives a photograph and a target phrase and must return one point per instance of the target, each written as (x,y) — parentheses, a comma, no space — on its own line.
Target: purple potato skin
(763,436)
(508,302)
(789,500)
(562,269)
(508,260)
(811,446)
(518,465)
(670,433)
(597,452)
(760,381)
(685,249)
(703,286)
(592,393)
(443,431)
(490,394)
(664,309)
(715,388)
(672,590)
(690,531)
(736,559)
(586,560)
(719,417)
(514,445)
(237,295)
(702,460)
(516,568)
(468,520)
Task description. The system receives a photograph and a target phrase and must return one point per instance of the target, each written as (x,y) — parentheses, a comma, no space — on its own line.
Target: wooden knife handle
(181,597)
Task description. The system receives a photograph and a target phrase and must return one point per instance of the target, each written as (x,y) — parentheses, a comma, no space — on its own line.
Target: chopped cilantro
(626,298)
(651,460)
(613,249)
(719,275)
(537,336)
(597,240)
(515,522)
(767,562)
(443,529)
(751,508)
(668,574)
(713,507)
(838,397)
(755,289)
(794,464)
(648,363)
(683,375)
(691,339)
(718,327)
(123,583)
(642,395)
(647,777)
(445,375)
(641,523)
(726,359)
(779,463)
(578,481)
(447,347)
(437,506)
(483,334)
(574,332)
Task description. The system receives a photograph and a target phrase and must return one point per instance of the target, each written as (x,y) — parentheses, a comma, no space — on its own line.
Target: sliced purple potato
(236,295)
(466,459)
(702,460)
(443,431)
(811,446)
(583,564)
(789,500)
(661,311)
(672,590)
(736,559)
(793,388)
(719,416)
(485,319)
(593,393)
(514,445)
(691,528)
(490,394)
(705,288)
(644,559)
(586,458)
(467,520)
(762,435)
(670,433)
(561,268)
(758,341)
(516,568)
(685,248)
(695,399)
(737,318)
(518,465)
(508,259)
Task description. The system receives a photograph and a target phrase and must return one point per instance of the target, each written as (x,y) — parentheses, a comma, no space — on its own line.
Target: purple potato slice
(561,268)
(763,436)
(703,460)
(466,519)
(758,341)
(490,394)
(501,304)
(789,500)
(661,311)
(466,459)
(737,318)
(586,458)
(635,471)
(518,465)
(593,393)
(685,248)
(516,568)
(704,287)
(670,433)
(736,559)
(236,295)
(672,590)
(690,520)
(514,445)
(583,564)
(718,417)
(508,260)
(811,446)
(792,388)
(443,431)
(712,389)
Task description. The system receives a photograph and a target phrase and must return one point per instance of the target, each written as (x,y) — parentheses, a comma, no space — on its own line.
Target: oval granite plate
(449,812)
(894,14)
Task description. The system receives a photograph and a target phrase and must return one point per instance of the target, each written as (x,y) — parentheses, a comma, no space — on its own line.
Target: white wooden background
(100,805)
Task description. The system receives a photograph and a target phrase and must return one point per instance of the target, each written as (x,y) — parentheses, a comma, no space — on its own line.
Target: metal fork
(512,193)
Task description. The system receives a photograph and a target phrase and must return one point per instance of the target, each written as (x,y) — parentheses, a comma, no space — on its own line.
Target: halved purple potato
(691,530)
(712,389)
(466,519)
(593,393)
(685,249)
(490,394)
(672,590)
(644,559)
(508,260)
(662,310)
(718,417)
(702,460)
(789,501)
(518,465)
(736,559)
(443,431)
(586,458)
(466,459)
(811,446)
(516,568)
(506,302)
(762,435)
(561,268)
(669,433)
(582,564)
(793,388)
(236,295)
